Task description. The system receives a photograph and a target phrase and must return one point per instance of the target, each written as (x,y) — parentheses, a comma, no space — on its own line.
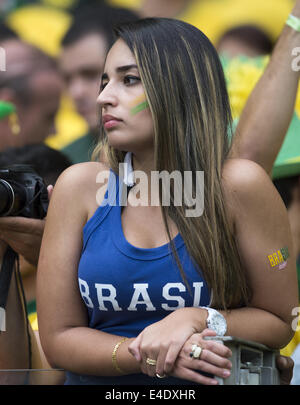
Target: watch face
(217,322)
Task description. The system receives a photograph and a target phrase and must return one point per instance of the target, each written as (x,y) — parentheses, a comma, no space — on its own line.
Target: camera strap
(6,272)
(9,264)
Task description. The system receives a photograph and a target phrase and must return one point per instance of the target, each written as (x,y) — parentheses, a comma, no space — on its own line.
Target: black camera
(22,192)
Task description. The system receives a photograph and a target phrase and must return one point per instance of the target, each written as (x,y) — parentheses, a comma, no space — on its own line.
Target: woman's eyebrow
(120,69)
(125,67)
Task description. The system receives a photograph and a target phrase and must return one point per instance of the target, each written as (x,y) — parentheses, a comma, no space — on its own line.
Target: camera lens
(6,198)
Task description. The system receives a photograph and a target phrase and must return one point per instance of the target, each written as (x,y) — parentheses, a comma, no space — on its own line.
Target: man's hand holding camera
(24,235)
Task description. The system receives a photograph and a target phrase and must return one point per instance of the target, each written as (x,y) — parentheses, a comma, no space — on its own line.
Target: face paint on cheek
(9,110)
(138,104)
(278,259)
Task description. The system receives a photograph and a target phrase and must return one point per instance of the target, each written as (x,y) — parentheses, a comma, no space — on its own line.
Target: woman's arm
(263,238)
(67,340)
(261,228)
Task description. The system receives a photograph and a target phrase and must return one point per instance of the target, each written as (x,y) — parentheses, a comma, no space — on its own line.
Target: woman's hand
(163,340)
(213,359)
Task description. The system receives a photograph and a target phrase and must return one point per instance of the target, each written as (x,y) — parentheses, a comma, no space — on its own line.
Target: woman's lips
(111,123)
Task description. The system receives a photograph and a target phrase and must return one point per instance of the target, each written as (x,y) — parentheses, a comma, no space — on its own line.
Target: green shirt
(81,149)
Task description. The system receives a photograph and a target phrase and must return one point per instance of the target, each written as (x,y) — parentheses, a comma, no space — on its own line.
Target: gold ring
(151,362)
(160,376)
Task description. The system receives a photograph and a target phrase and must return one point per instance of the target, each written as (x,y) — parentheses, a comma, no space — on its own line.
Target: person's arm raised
(67,340)
(268,112)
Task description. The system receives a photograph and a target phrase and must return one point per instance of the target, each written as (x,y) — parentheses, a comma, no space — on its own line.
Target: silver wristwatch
(216,321)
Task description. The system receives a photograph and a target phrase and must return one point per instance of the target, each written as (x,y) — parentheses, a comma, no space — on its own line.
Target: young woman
(126,291)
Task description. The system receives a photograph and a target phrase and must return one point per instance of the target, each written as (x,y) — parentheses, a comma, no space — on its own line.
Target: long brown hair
(185,87)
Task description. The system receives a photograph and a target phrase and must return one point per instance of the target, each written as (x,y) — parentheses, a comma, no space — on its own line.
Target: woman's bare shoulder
(79,183)
(248,187)
(243,174)
(243,178)
(81,174)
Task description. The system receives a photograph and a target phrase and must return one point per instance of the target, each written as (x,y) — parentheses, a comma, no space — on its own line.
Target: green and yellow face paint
(138,104)
(6,109)
(9,110)
(278,259)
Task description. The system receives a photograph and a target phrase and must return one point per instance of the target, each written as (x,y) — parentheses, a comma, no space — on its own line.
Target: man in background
(32,83)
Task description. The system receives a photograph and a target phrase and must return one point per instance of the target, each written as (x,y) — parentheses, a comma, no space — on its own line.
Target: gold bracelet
(114,355)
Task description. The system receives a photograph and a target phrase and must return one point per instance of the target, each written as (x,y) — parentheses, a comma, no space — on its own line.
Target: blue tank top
(126,288)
